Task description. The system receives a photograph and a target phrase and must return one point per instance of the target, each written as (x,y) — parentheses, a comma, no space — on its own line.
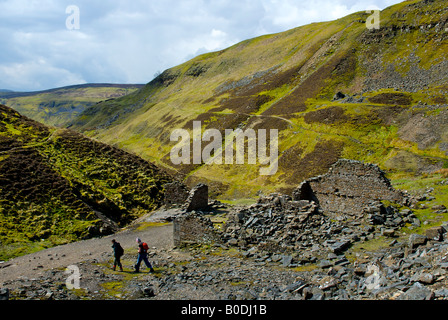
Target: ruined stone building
(348,187)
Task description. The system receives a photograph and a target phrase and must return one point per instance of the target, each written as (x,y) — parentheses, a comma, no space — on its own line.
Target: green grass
(419,186)
(240,202)
(359,249)
(145,225)
(113,289)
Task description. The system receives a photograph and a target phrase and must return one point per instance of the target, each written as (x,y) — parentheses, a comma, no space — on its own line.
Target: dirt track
(33,265)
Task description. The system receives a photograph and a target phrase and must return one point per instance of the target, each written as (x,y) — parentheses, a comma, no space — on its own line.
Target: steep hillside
(58,186)
(333,90)
(56,107)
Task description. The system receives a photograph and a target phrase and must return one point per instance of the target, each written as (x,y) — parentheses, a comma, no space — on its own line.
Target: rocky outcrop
(4,294)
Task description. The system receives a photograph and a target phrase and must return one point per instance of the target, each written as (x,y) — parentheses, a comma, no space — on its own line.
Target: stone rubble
(281,225)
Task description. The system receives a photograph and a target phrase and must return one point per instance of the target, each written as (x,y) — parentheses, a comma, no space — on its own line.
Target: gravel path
(32,265)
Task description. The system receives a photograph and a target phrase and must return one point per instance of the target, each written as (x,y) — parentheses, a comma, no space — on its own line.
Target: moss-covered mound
(58,186)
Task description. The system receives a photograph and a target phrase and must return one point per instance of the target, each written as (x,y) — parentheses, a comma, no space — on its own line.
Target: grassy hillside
(392,110)
(56,107)
(58,186)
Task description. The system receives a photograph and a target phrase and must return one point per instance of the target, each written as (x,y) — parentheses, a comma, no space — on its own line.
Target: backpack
(145,246)
(119,251)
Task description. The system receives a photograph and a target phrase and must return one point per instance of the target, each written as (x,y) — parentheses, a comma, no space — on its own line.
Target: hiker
(142,255)
(118,252)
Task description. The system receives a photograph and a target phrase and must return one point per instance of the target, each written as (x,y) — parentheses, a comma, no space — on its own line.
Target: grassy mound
(58,186)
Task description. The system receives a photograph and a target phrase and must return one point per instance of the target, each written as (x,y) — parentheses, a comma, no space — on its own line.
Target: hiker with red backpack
(142,255)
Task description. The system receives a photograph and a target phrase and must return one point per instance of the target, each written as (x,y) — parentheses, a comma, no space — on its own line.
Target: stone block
(435,233)
(416,240)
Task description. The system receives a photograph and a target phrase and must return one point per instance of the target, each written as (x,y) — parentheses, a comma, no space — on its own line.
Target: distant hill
(58,106)
(333,89)
(57,186)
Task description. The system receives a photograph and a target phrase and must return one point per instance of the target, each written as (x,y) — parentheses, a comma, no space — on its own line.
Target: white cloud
(36,74)
(128,41)
(286,14)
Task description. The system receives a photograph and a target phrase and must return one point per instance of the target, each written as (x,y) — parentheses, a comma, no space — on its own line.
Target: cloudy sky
(44,44)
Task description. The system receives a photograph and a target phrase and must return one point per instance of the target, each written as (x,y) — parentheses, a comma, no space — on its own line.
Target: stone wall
(348,187)
(193,228)
(198,198)
(176,193)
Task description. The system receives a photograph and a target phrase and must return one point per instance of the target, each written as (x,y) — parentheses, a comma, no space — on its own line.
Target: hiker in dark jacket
(142,255)
(118,252)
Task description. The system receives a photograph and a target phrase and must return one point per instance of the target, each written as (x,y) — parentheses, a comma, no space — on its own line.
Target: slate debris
(278,224)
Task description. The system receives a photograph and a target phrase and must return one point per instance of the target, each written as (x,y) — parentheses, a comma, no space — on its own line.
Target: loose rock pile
(278,224)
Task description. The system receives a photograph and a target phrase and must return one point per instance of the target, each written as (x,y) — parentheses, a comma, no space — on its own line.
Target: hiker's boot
(151,270)
(114,267)
(121,269)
